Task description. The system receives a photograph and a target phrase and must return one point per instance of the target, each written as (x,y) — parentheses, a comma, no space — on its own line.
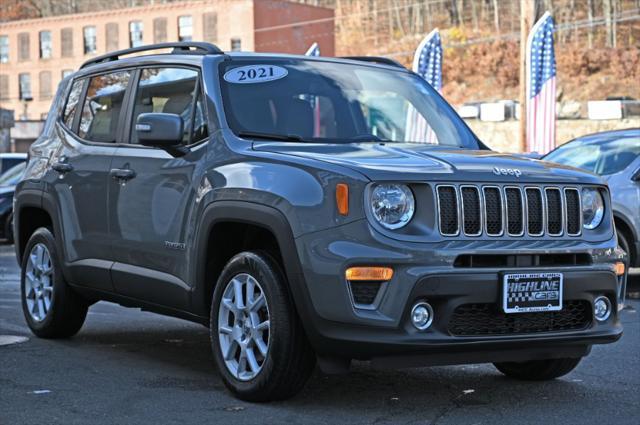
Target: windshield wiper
(368,138)
(272,136)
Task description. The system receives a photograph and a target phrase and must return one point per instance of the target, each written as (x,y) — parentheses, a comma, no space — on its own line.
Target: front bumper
(338,327)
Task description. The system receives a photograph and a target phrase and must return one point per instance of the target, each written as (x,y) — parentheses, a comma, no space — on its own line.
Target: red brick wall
(294,39)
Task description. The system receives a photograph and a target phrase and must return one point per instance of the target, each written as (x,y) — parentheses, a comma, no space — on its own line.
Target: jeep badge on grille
(507,171)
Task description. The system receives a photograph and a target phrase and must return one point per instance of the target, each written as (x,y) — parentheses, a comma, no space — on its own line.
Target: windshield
(603,158)
(326,102)
(12,176)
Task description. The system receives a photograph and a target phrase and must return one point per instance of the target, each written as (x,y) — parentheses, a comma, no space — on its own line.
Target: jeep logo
(507,172)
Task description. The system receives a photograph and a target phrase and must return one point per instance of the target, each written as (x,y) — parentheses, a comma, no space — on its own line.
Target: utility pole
(527,15)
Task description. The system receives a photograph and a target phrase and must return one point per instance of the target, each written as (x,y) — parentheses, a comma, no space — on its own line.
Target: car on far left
(8,181)
(10,160)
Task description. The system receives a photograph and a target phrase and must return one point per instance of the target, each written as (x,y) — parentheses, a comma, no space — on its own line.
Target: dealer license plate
(532,292)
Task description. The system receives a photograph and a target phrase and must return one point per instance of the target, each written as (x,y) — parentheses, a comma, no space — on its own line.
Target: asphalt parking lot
(127,366)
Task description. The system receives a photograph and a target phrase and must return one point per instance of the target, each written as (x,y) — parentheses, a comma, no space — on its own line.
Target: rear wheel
(538,370)
(258,342)
(51,308)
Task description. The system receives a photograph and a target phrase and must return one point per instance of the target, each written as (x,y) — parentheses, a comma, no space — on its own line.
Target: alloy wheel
(39,282)
(243,327)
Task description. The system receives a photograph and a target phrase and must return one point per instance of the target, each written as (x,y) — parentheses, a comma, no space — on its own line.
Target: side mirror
(636,176)
(159,130)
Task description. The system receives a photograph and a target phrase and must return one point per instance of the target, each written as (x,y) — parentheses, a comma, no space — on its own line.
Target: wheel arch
(30,214)
(257,216)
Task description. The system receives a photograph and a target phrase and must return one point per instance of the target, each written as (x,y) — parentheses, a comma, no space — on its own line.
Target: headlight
(592,208)
(392,205)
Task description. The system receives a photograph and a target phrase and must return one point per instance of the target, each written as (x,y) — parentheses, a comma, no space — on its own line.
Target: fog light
(602,308)
(421,316)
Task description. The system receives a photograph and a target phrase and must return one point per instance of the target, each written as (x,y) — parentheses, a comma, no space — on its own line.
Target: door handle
(62,167)
(122,174)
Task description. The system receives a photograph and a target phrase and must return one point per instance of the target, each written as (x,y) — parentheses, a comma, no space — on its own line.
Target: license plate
(532,292)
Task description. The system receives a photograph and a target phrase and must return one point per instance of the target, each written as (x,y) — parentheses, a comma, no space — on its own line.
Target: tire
(624,245)
(66,310)
(538,370)
(288,360)
(8,230)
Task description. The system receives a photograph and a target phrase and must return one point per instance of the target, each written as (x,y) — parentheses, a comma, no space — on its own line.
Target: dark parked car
(309,210)
(8,181)
(614,155)
(9,160)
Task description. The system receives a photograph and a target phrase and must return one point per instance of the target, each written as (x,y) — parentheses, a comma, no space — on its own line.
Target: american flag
(314,50)
(427,63)
(541,87)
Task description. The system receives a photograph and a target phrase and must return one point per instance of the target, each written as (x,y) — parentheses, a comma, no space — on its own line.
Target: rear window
(72,103)
(102,107)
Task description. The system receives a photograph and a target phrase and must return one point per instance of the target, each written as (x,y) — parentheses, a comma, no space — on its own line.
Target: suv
(309,210)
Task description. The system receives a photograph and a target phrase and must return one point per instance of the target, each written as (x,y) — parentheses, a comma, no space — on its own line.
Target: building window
(185,28)
(4,48)
(45,85)
(24,84)
(159,30)
(135,33)
(90,45)
(236,44)
(4,87)
(66,42)
(23,47)
(45,45)
(112,36)
(66,73)
(210,27)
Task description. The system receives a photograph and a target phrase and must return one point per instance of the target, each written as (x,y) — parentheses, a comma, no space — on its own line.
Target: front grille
(554,211)
(535,220)
(474,210)
(574,212)
(493,210)
(448,209)
(471,211)
(488,319)
(515,221)
(364,292)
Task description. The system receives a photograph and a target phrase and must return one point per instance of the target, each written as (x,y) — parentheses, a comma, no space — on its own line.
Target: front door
(79,175)
(153,193)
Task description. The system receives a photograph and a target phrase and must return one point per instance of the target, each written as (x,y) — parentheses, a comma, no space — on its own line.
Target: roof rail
(178,48)
(376,59)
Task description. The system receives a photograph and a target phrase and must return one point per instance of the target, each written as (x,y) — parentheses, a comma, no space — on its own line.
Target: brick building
(35,54)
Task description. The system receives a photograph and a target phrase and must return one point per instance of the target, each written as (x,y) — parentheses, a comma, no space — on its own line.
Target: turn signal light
(619,267)
(342,198)
(369,273)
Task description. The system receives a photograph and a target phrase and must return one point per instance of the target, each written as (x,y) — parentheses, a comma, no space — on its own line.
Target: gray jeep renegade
(308,210)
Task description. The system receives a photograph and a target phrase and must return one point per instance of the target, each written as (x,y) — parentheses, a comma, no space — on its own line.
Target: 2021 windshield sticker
(252,74)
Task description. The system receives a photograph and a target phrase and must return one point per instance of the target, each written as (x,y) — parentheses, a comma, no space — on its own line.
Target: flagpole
(527,11)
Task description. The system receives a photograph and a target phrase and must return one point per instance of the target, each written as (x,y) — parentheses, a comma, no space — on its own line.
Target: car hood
(380,161)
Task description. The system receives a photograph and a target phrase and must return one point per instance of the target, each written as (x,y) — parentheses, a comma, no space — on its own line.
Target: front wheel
(538,370)
(257,339)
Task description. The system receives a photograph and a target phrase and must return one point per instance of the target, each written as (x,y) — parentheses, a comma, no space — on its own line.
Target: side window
(102,106)
(72,103)
(171,90)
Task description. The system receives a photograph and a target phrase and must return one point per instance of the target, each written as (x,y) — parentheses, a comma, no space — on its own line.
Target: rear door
(149,210)
(78,176)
